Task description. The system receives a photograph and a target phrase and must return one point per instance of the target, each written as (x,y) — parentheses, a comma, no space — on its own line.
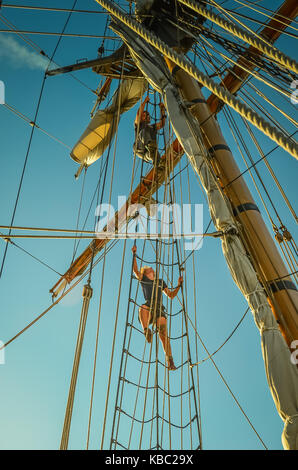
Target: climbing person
(153,311)
(145,145)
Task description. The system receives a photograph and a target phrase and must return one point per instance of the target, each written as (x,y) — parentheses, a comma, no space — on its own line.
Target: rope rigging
(155,401)
(217,90)
(33,45)
(128,356)
(249,37)
(31,136)
(241,15)
(120,412)
(264,158)
(257,9)
(239,50)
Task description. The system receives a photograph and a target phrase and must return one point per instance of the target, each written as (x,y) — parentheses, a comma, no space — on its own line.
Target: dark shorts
(159,312)
(148,153)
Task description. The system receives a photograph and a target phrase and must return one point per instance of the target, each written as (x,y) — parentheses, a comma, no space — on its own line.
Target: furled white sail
(101,130)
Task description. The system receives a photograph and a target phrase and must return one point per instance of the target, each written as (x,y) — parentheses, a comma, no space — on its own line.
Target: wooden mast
(272,272)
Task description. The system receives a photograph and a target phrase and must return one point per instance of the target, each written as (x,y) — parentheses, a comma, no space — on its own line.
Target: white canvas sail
(101,130)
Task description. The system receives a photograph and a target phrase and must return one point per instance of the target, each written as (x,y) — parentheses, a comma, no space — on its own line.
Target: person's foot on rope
(148,335)
(170,362)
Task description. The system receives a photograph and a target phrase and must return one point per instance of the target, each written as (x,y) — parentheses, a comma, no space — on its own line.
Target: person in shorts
(153,311)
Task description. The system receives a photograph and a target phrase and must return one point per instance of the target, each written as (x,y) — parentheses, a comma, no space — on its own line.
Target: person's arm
(135,266)
(162,121)
(171,293)
(141,110)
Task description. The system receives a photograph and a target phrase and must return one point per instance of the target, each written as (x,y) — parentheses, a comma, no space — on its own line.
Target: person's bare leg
(163,335)
(144,316)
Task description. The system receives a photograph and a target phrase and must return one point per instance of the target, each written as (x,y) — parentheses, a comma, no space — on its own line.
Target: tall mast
(261,247)
(268,263)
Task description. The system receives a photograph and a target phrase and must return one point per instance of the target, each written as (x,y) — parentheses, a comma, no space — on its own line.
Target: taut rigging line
(227,97)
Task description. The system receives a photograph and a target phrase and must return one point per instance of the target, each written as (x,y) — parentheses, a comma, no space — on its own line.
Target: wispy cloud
(19,56)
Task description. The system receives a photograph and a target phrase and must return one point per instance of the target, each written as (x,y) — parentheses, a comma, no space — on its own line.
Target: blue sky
(37,369)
